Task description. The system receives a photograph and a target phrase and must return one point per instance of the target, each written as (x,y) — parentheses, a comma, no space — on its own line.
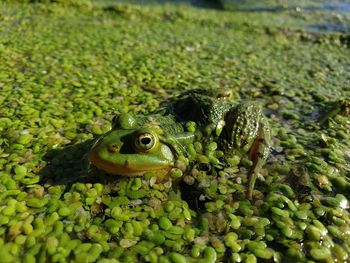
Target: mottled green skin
(239,129)
(201,106)
(247,131)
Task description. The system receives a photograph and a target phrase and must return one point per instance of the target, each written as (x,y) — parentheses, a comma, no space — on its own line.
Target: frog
(138,144)
(152,143)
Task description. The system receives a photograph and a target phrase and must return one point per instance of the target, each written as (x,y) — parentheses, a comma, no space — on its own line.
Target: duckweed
(59,89)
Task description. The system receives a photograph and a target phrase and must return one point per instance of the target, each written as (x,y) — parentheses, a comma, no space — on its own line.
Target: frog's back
(165,122)
(200,106)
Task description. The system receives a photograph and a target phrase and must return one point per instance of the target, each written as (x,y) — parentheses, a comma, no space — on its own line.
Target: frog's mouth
(129,166)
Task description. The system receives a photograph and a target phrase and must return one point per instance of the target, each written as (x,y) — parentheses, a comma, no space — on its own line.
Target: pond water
(324,16)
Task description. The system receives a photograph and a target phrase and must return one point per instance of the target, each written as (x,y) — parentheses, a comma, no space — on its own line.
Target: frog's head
(133,147)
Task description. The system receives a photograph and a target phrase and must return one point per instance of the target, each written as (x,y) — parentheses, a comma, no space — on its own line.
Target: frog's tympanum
(139,144)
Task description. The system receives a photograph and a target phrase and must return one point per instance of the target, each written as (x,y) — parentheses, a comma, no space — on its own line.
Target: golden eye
(145,141)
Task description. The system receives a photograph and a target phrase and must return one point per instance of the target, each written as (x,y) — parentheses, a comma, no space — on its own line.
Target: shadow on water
(70,165)
(210,4)
(330,27)
(213,4)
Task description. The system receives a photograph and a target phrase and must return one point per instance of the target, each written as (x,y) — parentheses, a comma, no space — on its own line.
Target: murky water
(271,5)
(330,27)
(324,16)
(336,6)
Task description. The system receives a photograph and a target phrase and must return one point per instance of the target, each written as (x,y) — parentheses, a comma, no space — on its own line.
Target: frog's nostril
(112,148)
(146,141)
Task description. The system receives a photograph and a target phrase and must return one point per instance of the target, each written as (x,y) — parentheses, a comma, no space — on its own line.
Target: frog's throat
(128,167)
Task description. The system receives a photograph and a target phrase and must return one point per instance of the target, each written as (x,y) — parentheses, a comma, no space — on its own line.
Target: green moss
(67,67)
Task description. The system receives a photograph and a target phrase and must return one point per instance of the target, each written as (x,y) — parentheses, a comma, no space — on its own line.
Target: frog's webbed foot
(247,131)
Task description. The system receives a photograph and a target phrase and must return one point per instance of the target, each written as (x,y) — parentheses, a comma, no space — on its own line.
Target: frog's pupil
(145,141)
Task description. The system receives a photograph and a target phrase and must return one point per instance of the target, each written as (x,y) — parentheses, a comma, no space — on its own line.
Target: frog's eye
(144,141)
(124,121)
(224,94)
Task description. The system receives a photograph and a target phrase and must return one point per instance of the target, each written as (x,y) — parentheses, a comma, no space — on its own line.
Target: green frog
(138,144)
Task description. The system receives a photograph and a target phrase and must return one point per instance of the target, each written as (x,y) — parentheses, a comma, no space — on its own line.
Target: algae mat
(68,67)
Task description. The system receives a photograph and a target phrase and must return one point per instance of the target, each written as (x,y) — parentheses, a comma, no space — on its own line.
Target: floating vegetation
(67,70)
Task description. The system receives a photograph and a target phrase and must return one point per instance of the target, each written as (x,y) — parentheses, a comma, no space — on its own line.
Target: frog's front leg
(178,142)
(247,132)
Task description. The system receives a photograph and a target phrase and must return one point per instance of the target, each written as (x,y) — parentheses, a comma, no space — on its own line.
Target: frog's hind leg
(247,132)
(258,154)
